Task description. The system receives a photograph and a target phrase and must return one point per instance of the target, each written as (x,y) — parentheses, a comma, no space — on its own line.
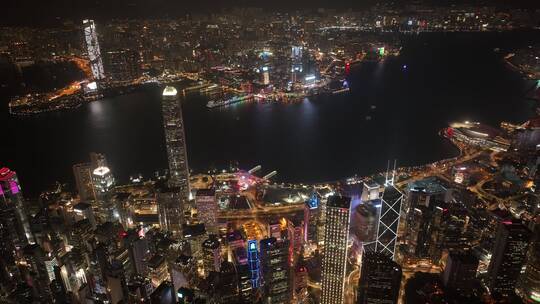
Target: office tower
(390,214)
(380,279)
(139,288)
(311,218)
(422,192)
(83,180)
(266,75)
(116,283)
(365,221)
(245,287)
(183,271)
(274,229)
(72,271)
(336,236)
(103,182)
(253,263)
(170,212)
(426,202)
(296,62)
(226,288)
(295,235)
(211,253)
(138,251)
(460,273)
(92,47)
(157,268)
(173,198)
(14,218)
(508,256)
(195,234)
(163,294)
(370,191)
(275,271)
(83,175)
(175,141)
(37,272)
(300,277)
(207,208)
(122,65)
(185,295)
(529,283)
(84,211)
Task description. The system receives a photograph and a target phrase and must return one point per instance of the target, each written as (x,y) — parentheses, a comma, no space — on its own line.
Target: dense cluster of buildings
(276,56)
(464,230)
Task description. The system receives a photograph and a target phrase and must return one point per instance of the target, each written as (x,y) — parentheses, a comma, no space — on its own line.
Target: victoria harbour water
(394,111)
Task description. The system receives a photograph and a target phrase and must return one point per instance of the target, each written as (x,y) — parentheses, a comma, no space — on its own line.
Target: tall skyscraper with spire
(177,192)
(175,140)
(387,231)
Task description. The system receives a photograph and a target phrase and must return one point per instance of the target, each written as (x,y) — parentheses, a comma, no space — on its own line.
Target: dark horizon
(54,12)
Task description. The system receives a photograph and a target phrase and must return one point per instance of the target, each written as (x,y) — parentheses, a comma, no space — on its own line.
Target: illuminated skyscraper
(275,270)
(460,272)
(336,235)
(311,218)
(253,263)
(508,256)
(175,142)
(211,253)
(380,279)
(266,75)
(14,219)
(92,47)
(122,65)
(205,201)
(103,182)
(389,217)
(296,62)
(370,191)
(529,285)
(365,222)
(172,197)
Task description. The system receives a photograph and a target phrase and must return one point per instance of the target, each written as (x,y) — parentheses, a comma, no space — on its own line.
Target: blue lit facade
(253,262)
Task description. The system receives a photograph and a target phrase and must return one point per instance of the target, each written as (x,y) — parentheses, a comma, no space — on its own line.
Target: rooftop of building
(337,201)
(211,243)
(464,257)
(82,206)
(205,192)
(155,261)
(101,171)
(6,174)
(193,230)
(429,185)
(169,91)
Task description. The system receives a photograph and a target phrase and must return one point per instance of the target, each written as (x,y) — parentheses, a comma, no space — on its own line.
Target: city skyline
(237,155)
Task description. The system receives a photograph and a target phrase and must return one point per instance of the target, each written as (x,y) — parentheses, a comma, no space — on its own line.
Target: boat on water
(229,101)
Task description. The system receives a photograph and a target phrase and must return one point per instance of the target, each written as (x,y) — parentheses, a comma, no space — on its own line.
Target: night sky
(47,12)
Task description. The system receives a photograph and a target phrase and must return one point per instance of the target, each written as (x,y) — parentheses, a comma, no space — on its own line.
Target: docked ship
(229,101)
